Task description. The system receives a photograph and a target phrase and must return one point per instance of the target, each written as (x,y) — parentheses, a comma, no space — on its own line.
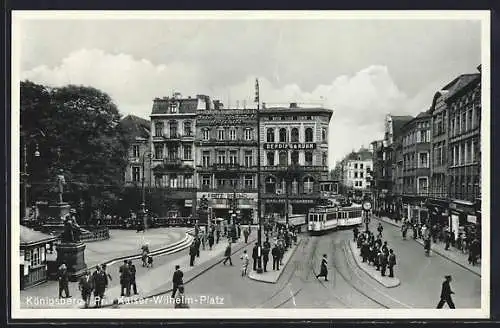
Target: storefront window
(271,185)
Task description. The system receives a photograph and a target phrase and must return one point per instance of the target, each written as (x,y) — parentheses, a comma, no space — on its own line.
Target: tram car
(327,218)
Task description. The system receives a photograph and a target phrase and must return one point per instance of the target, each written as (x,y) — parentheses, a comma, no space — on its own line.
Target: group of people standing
(374,251)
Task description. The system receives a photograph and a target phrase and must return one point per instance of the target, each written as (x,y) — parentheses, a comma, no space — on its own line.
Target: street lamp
(259,236)
(143,204)
(26,174)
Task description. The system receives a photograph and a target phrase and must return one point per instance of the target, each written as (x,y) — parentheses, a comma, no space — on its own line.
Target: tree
(82,136)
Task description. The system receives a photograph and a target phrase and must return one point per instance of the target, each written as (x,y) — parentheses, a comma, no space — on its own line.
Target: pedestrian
(383,263)
(86,286)
(192,253)
(217,234)
(380,229)
(323,269)
(446,293)
(385,248)
(180,301)
(404,230)
(246,233)
(239,231)
(104,267)
(203,239)
(255,256)
(355,232)
(227,254)
(211,240)
(63,277)
(244,263)
(427,246)
(447,239)
(281,248)
(275,252)
(177,279)
(391,262)
(132,276)
(197,243)
(265,254)
(100,281)
(379,259)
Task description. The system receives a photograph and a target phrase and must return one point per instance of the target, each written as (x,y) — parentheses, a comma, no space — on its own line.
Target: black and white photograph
(259,164)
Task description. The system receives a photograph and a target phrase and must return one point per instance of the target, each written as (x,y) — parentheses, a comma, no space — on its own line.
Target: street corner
(371,271)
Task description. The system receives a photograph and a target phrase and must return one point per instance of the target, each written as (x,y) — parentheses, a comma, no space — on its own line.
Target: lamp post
(25,175)
(143,203)
(259,236)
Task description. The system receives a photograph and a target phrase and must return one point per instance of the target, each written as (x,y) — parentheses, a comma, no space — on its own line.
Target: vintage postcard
(257,164)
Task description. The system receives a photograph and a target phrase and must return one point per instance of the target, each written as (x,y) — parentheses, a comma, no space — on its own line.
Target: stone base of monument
(73,255)
(59,210)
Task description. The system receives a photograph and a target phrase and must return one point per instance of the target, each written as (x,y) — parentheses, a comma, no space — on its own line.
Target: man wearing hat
(177,279)
(63,277)
(86,285)
(446,294)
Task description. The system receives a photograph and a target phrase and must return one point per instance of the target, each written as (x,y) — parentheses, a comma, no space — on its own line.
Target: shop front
(438,211)
(221,206)
(415,209)
(464,218)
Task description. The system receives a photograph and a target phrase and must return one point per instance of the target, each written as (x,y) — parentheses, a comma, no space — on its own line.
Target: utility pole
(259,237)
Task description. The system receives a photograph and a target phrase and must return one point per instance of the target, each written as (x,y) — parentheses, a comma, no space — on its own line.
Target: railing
(226,168)
(227,189)
(295,167)
(102,233)
(172,161)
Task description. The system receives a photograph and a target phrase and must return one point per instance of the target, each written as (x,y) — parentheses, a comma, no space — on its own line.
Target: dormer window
(173,107)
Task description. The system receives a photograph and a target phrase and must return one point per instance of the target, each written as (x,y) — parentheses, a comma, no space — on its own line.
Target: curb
(393,282)
(255,276)
(439,252)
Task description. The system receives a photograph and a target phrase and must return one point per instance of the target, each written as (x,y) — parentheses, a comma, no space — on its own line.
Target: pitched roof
(398,123)
(162,106)
(461,82)
(30,236)
(135,126)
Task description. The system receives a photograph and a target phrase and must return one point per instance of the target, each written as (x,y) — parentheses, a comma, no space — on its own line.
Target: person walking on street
(323,269)
(391,261)
(197,243)
(227,255)
(383,263)
(192,253)
(239,231)
(100,281)
(86,286)
(355,232)
(427,246)
(380,228)
(265,254)
(106,273)
(180,301)
(244,263)
(124,278)
(217,234)
(447,240)
(63,277)
(276,257)
(132,276)
(203,239)
(446,293)
(177,279)
(246,233)
(404,230)
(255,256)
(211,240)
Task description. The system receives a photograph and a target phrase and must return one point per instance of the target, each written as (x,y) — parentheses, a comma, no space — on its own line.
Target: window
(206,134)
(135,151)
(361,174)
(462,154)
(158,179)
(452,127)
(187,129)
(325,158)
(309,158)
(470,119)
(309,118)
(283,158)
(188,181)
(173,181)
(283,135)
(205,181)
(324,135)
(361,166)
(220,134)
(423,185)
(249,181)
(308,185)
(464,122)
(270,135)
(355,175)
(248,134)
(248,158)
(270,185)
(294,118)
(159,151)
(232,134)
(473,151)
(136,173)
(423,160)
(173,129)
(221,157)
(355,166)
(270,158)
(295,135)
(173,107)
(295,157)
(283,118)
(173,153)
(309,135)
(233,157)
(159,129)
(187,152)
(206,159)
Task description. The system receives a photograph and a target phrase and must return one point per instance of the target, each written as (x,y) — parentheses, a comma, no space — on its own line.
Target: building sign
(295,145)
(227,195)
(471,219)
(188,203)
(224,118)
(293,201)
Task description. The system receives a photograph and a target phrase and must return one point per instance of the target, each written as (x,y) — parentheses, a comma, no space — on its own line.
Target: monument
(70,251)
(61,209)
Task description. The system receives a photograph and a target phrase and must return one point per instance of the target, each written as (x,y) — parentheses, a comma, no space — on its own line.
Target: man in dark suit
(100,281)
(192,253)
(255,256)
(275,252)
(132,276)
(446,294)
(86,286)
(265,255)
(177,280)
(124,278)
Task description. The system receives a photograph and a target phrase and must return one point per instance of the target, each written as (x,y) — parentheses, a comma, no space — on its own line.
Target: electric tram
(327,218)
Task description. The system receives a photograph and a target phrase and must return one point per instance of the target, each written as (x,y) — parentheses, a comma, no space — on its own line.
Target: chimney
(293,105)
(479,68)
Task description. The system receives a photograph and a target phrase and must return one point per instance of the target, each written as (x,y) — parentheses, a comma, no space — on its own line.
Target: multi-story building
(357,167)
(294,158)
(173,121)
(138,166)
(416,146)
(464,141)
(226,161)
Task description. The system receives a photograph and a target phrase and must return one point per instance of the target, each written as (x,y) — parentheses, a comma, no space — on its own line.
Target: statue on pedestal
(71,233)
(60,183)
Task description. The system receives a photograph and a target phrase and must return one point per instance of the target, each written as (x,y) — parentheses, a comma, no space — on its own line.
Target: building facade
(356,170)
(294,158)
(226,161)
(173,122)
(416,147)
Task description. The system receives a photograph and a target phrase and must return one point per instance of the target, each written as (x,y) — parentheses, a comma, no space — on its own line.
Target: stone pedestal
(73,255)
(59,210)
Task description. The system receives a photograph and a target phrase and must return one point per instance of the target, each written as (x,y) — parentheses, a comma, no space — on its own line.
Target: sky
(363,69)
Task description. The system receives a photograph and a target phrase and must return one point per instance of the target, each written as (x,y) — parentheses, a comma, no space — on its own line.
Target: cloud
(359,101)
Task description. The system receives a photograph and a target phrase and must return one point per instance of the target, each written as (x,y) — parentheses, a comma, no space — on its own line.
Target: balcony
(226,168)
(217,142)
(172,161)
(187,137)
(227,189)
(284,168)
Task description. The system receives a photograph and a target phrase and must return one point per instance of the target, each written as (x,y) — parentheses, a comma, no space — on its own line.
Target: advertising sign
(285,146)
